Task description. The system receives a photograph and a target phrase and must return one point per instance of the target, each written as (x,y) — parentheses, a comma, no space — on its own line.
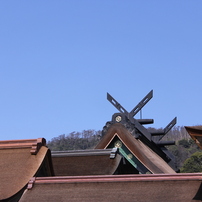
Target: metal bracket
(113,153)
(31,183)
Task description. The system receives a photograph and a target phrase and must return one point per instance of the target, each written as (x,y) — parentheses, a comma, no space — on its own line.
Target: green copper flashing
(125,152)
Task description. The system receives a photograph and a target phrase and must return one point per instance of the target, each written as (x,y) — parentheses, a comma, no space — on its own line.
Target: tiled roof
(115,188)
(19,161)
(26,172)
(85,162)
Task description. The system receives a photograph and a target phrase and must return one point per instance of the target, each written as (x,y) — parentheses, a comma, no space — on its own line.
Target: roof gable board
(147,157)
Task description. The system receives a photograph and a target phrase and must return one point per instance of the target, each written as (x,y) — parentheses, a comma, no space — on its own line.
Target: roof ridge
(34,144)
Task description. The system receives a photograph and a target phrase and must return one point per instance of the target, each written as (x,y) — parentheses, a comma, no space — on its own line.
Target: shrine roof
(196,134)
(115,188)
(152,161)
(85,162)
(19,161)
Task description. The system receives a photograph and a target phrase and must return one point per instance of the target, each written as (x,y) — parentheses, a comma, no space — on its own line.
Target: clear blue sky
(58,60)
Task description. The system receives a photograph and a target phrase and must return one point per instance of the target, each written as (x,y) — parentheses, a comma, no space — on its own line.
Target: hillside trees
(86,139)
(184,147)
(182,150)
(193,164)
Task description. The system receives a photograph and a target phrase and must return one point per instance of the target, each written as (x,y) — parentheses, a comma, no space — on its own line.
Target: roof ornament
(136,128)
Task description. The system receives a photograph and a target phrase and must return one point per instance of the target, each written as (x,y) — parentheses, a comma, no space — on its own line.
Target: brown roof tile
(116,188)
(19,161)
(85,162)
